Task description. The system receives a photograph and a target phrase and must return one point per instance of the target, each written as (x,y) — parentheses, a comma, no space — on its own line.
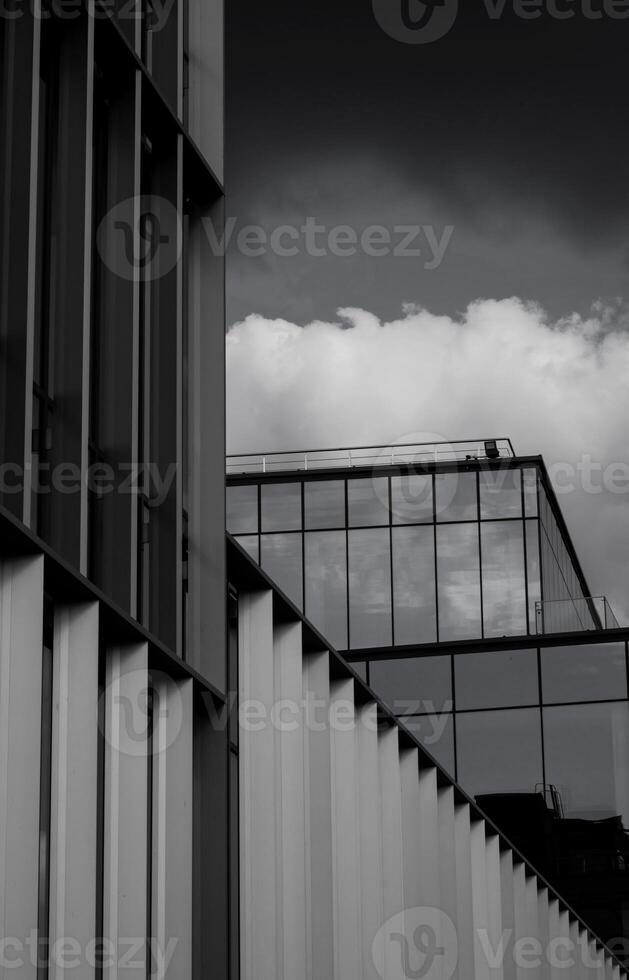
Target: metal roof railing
(400,454)
(575,614)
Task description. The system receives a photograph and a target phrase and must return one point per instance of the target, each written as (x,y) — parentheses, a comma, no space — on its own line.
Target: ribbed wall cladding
(360,859)
(75,831)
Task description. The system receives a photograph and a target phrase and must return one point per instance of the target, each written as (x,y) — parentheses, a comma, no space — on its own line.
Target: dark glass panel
(587,759)
(361,669)
(251,544)
(242,509)
(533,573)
(415,615)
(368,501)
(282,561)
(458,577)
(324,504)
(326,585)
(595,672)
(500,679)
(418,685)
(369,588)
(436,734)
(281,506)
(412,499)
(504,588)
(456,497)
(499,751)
(500,493)
(529,482)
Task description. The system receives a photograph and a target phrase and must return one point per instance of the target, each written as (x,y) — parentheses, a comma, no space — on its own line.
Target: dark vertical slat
(18,73)
(66,523)
(113,543)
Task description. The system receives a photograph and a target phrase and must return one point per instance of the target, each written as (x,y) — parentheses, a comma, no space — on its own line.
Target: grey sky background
(513,133)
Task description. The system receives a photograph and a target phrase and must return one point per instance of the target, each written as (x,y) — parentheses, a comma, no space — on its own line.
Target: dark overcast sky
(514,132)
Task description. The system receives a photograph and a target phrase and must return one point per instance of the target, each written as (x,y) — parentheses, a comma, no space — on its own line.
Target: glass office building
(453,587)
(415,554)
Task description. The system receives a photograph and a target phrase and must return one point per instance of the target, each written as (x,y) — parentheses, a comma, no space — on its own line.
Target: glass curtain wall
(511,721)
(410,558)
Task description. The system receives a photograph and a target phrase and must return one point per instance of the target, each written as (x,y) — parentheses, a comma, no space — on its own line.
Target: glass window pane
(282,561)
(242,509)
(587,759)
(411,499)
(456,497)
(251,544)
(369,588)
(360,667)
(436,734)
(594,672)
(500,493)
(419,685)
(281,506)
(368,502)
(324,504)
(504,592)
(458,578)
(326,585)
(500,679)
(499,751)
(529,482)
(415,614)
(533,574)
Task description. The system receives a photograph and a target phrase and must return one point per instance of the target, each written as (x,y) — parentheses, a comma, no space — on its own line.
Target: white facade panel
(21,633)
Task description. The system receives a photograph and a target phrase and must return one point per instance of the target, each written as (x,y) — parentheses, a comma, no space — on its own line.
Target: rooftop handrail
(387,455)
(574,614)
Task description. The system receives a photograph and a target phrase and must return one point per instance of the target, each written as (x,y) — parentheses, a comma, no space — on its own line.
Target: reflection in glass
(595,672)
(500,679)
(250,542)
(419,685)
(500,493)
(456,497)
(242,509)
(368,502)
(499,751)
(504,591)
(458,578)
(436,734)
(411,499)
(324,504)
(415,615)
(281,506)
(369,588)
(282,561)
(534,585)
(592,739)
(326,585)
(529,482)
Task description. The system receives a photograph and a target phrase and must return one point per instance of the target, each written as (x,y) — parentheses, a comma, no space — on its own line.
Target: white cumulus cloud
(502,368)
